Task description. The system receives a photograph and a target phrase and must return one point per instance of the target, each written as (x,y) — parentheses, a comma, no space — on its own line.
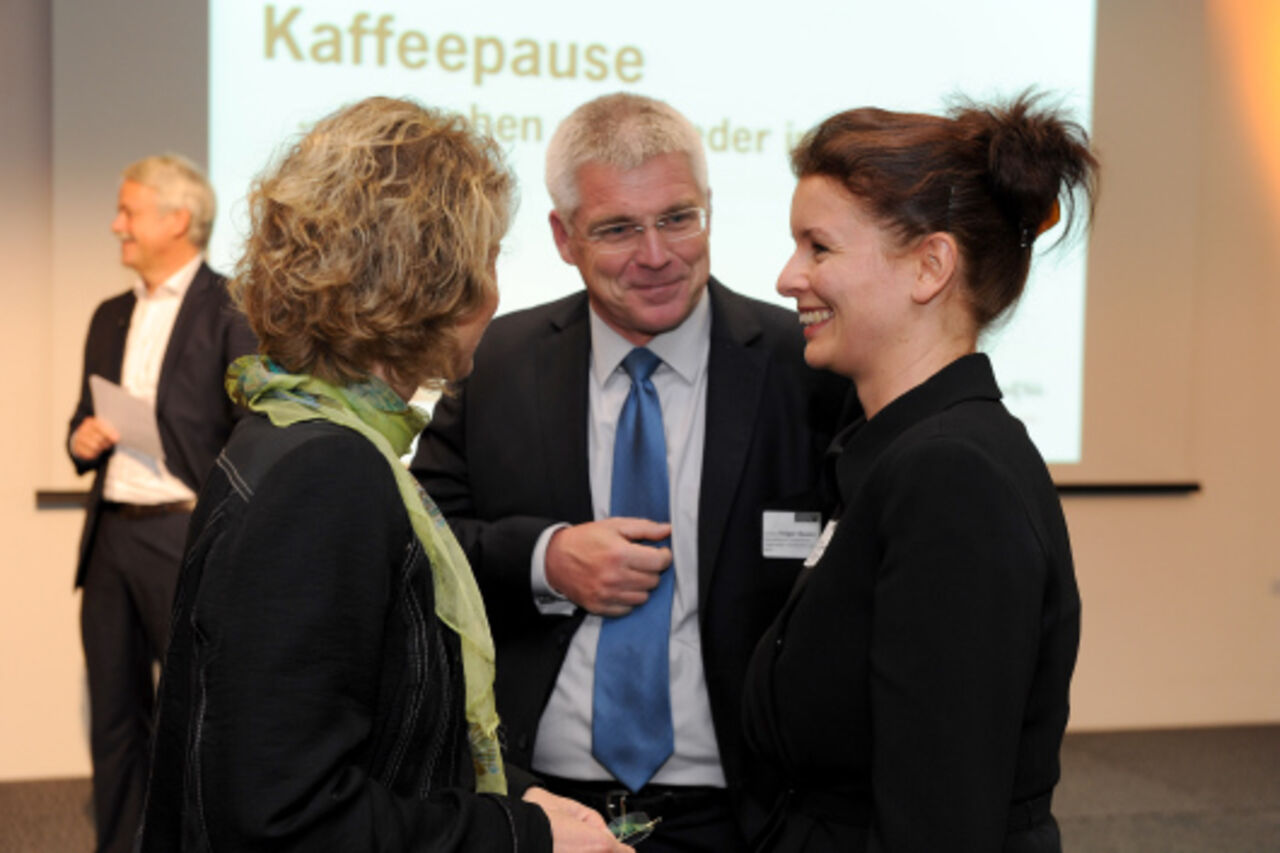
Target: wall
(42,706)
(1182,594)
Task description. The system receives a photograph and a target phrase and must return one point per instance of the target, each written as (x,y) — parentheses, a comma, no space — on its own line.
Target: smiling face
(152,238)
(652,289)
(853,291)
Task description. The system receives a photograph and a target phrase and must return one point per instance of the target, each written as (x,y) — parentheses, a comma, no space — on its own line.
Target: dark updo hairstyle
(990,176)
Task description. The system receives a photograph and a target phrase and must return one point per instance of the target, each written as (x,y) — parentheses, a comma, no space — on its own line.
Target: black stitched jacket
(912,695)
(311,700)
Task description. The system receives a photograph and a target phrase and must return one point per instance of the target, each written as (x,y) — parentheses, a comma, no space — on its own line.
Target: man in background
(168,342)
(626,598)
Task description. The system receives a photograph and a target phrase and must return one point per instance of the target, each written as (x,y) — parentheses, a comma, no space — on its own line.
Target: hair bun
(992,176)
(1034,157)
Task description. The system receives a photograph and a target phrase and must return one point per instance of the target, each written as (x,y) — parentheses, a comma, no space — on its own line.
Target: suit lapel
(183,324)
(735,386)
(562,362)
(112,366)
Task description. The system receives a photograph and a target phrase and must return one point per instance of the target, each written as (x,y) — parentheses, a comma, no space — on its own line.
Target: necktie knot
(640,364)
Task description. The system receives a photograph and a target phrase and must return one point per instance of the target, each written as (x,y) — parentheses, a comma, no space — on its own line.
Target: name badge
(789,534)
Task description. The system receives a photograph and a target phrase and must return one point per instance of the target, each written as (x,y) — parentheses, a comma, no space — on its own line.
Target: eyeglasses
(626,236)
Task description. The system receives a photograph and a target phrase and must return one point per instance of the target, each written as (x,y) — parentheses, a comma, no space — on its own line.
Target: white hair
(621,130)
(179,185)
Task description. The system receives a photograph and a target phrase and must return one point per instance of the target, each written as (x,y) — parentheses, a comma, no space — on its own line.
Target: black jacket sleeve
(500,549)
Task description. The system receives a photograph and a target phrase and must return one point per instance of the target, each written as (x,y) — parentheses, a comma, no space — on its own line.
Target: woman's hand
(574,827)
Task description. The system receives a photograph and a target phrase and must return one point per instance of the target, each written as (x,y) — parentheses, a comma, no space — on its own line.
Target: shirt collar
(174,285)
(684,349)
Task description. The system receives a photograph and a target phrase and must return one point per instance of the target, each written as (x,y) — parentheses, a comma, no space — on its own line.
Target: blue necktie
(631,730)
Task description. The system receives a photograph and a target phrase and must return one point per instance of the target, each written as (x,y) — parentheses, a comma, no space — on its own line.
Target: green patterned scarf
(375,411)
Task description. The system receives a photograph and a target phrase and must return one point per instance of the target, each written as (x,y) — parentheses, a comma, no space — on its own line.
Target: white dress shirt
(131,478)
(563,746)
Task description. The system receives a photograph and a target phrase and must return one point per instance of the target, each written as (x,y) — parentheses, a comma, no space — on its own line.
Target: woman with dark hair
(329,682)
(912,695)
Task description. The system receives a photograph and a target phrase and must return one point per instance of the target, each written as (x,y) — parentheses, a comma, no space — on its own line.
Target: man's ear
(180,219)
(561,235)
(937,260)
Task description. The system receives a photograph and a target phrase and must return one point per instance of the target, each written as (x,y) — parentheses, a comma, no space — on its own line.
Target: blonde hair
(621,130)
(179,185)
(372,238)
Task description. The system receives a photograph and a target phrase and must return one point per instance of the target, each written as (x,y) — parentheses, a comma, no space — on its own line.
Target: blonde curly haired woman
(330,678)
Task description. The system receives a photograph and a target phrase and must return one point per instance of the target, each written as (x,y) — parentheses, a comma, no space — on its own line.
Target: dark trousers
(124,624)
(693,820)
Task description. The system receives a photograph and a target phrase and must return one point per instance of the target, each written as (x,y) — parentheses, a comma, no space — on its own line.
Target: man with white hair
(625,597)
(166,341)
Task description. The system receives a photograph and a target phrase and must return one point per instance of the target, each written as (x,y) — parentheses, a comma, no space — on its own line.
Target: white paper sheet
(133,418)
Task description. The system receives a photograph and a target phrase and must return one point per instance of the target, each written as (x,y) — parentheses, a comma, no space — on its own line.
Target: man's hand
(92,438)
(602,567)
(574,827)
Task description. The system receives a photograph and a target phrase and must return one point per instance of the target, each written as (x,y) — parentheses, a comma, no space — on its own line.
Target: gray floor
(49,816)
(1183,791)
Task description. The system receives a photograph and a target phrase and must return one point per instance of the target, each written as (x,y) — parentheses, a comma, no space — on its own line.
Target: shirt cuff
(549,601)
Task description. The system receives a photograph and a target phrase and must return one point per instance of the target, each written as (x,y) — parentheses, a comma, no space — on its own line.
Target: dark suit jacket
(193,411)
(508,457)
(913,693)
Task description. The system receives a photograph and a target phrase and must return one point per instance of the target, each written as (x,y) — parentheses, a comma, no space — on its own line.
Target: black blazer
(507,457)
(311,698)
(193,411)
(912,695)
